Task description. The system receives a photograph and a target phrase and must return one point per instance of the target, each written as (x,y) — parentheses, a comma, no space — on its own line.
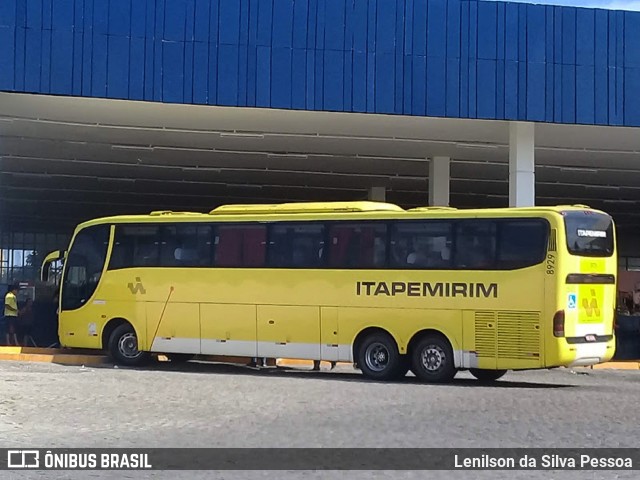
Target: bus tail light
(558,324)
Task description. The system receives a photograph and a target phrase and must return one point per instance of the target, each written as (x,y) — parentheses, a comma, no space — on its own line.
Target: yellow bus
(431,290)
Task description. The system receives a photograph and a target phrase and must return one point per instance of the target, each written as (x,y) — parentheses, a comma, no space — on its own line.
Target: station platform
(54,355)
(618,365)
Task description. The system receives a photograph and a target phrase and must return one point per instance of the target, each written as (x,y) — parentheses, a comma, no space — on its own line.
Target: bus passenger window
(186,245)
(168,246)
(361,245)
(136,246)
(228,246)
(423,245)
(523,243)
(254,246)
(298,245)
(476,245)
(240,246)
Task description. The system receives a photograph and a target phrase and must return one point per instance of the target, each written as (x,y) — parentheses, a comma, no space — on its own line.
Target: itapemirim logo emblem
(591,305)
(137,287)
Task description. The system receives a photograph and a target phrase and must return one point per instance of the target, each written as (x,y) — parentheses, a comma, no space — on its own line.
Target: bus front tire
(487,375)
(123,346)
(379,359)
(432,360)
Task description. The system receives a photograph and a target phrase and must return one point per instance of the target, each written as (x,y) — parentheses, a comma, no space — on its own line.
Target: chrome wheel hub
(377,357)
(433,358)
(128,346)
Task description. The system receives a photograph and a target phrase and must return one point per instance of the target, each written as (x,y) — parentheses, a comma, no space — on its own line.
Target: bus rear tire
(378,357)
(432,359)
(123,347)
(487,375)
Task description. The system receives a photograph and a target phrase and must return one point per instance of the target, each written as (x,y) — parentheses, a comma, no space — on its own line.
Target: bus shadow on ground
(339,375)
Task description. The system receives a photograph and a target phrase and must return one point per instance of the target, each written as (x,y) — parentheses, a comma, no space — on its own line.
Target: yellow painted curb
(64,359)
(629,365)
(51,351)
(10,350)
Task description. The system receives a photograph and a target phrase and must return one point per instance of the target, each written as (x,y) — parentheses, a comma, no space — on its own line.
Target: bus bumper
(586,354)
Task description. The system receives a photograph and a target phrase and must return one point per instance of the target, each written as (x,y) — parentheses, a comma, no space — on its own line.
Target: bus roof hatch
(306,207)
(429,209)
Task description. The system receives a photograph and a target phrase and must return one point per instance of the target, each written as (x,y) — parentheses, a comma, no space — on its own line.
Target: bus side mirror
(46,264)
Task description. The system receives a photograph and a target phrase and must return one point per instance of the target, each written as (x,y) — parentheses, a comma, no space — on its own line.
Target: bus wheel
(123,346)
(432,359)
(487,375)
(378,357)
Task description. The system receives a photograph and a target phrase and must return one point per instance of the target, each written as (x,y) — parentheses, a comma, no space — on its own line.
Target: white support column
(377,194)
(439,181)
(522,179)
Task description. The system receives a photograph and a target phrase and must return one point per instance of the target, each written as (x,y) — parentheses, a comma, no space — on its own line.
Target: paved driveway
(205,405)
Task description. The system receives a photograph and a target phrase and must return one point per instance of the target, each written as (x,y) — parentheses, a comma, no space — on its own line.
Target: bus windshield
(589,233)
(84,266)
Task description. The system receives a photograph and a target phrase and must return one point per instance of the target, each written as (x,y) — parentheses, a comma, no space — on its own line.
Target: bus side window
(203,246)
(186,245)
(476,244)
(307,246)
(296,245)
(254,246)
(146,251)
(240,246)
(399,252)
(228,251)
(339,240)
(422,244)
(279,247)
(170,245)
(136,246)
(522,243)
(357,245)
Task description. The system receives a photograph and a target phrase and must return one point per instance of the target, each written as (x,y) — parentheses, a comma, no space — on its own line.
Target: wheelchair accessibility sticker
(572,301)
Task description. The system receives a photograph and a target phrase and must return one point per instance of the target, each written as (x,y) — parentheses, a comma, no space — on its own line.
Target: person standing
(316,365)
(258,362)
(11,315)
(25,318)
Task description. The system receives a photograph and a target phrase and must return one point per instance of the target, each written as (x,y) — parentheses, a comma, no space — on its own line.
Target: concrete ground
(213,405)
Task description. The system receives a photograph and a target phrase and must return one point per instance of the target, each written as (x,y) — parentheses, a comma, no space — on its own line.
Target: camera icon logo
(23,459)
